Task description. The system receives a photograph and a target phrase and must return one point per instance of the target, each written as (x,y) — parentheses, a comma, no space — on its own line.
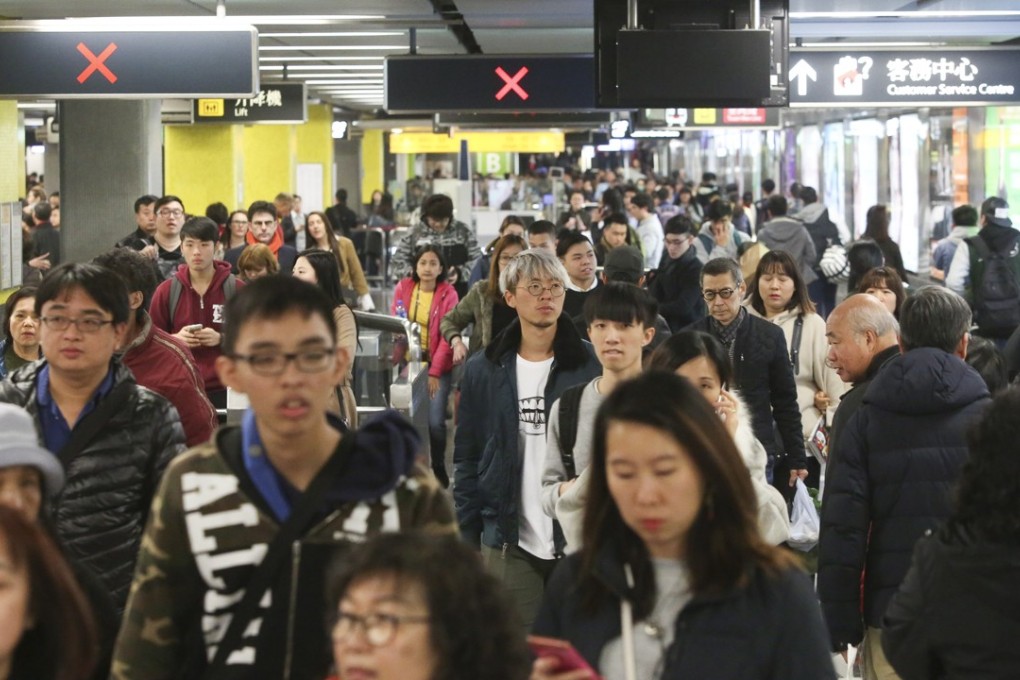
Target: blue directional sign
(971,77)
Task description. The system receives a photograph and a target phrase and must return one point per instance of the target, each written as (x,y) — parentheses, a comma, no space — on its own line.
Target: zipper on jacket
(505,547)
(295,564)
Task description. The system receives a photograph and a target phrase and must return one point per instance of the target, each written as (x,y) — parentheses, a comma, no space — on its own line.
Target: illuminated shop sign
(893,77)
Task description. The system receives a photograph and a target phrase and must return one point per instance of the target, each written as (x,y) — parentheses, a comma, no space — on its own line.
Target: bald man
(862,337)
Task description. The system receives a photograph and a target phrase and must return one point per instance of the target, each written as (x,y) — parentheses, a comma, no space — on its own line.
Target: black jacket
(898,460)
(763,374)
(487,459)
(342,219)
(957,614)
(677,287)
(100,514)
(770,628)
(851,401)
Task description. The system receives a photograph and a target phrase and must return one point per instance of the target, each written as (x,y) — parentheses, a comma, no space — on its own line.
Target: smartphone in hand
(193,328)
(570,659)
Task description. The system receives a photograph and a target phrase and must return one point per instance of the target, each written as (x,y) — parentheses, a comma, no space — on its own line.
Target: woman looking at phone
(674,580)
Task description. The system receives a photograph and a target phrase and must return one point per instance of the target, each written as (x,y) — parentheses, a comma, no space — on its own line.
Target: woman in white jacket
(778,294)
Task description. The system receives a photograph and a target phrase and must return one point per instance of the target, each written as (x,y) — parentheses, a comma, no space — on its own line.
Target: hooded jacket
(193,308)
(899,458)
(211,528)
(766,629)
(957,614)
(822,229)
(942,257)
(444,299)
(487,459)
(165,365)
(100,513)
(791,236)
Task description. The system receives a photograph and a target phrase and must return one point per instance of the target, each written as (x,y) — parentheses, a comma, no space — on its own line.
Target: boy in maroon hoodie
(190,304)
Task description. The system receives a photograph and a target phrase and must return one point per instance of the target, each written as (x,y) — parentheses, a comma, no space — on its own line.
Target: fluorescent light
(49,106)
(336,34)
(211,22)
(343,81)
(898,14)
(868,45)
(330,58)
(324,67)
(302,48)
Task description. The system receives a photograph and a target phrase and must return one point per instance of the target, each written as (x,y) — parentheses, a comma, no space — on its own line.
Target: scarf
(273,245)
(727,334)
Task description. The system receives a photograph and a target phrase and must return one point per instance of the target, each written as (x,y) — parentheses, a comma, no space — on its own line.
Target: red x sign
(96,63)
(511,83)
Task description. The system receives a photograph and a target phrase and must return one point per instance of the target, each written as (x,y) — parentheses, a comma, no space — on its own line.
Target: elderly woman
(20,345)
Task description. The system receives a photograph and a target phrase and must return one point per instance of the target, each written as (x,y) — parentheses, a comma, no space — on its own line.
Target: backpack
(994,287)
(570,408)
(176,288)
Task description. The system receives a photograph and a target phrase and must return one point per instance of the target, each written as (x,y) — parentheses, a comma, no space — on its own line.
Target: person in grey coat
(790,235)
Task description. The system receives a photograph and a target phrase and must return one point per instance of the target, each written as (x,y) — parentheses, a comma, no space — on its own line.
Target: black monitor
(692,53)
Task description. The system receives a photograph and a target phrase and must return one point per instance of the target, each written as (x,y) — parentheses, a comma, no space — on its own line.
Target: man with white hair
(506,394)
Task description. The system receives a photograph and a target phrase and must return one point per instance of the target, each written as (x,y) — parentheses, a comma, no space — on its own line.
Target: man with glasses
(762,371)
(167,237)
(437,227)
(263,228)
(112,437)
(500,445)
(290,469)
(677,284)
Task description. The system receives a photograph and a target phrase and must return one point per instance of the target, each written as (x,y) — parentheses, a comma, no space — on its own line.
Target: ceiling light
(343,81)
(329,58)
(868,45)
(336,34)
(212,22)
(897,14)
(304,48)
(323,67)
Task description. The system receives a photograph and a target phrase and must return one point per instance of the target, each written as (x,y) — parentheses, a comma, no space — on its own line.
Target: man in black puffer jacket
(900,456)
(761,370)
(111,477)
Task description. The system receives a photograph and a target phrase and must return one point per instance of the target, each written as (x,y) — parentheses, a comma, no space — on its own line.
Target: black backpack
(570,407)
(994,287)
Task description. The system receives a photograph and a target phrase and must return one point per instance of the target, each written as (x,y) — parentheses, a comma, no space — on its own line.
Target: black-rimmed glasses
(62,323)
(274,363)
(379,629)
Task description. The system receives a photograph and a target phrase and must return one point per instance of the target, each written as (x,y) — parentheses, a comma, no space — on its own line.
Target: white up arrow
(800,72)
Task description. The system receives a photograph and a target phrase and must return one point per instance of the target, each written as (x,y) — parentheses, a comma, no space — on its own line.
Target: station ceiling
(344,42)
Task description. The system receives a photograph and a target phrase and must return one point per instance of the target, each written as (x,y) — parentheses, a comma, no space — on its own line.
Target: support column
(111,152)
(12,153)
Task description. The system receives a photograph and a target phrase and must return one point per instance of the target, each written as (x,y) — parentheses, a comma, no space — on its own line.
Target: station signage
(273,103)
(67,60)
(484,83)
(943,77)
(665,120)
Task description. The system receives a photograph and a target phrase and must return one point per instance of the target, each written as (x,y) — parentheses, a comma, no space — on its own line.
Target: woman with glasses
(778,294)
(20,345)
(483,306)
(234,235)
(674,580)
(320,268)
(425,298)
(414,606)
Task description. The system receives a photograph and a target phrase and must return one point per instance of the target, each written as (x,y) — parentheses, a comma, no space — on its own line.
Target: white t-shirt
(535,532)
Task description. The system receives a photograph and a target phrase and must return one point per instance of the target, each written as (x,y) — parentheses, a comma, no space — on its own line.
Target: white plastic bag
(804,521)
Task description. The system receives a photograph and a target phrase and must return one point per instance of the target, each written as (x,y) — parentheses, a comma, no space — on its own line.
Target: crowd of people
(641,391)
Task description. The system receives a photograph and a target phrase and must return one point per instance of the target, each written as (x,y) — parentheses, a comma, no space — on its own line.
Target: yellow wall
(372,148)
(200,164)
(12,153)
(315,145)
(270,153)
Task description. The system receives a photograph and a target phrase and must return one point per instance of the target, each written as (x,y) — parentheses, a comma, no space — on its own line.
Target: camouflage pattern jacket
(209,529)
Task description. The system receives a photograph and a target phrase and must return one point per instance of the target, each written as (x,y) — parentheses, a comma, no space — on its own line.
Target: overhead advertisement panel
(69,59)
(483,83)
(933,77)
(478,142)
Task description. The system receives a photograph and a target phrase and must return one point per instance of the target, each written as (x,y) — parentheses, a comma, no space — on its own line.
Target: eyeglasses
(724,293)
(675,241)
(61,323)
(379,628)
(272,364)
(168,212)
(536,289)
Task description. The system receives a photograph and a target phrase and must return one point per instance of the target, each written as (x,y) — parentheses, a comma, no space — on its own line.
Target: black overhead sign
(931,77)
(274,103)
(69,63)
(483,83)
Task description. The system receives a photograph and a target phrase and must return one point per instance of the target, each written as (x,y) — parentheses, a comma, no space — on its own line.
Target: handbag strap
(798,331)
(267,570)
(89,427)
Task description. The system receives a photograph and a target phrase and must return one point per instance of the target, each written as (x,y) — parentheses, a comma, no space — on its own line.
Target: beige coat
(347,338)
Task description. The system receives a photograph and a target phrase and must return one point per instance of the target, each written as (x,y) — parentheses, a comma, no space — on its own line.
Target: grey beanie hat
(19,445)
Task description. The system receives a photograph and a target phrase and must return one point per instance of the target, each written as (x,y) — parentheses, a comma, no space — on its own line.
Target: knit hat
(20,446)
(996,211)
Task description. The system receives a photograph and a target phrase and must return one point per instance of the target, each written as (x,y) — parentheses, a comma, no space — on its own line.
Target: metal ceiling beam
(455,21)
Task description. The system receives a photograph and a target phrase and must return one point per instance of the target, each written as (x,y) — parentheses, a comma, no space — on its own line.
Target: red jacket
(191,309)
(444,299)
(165,365)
